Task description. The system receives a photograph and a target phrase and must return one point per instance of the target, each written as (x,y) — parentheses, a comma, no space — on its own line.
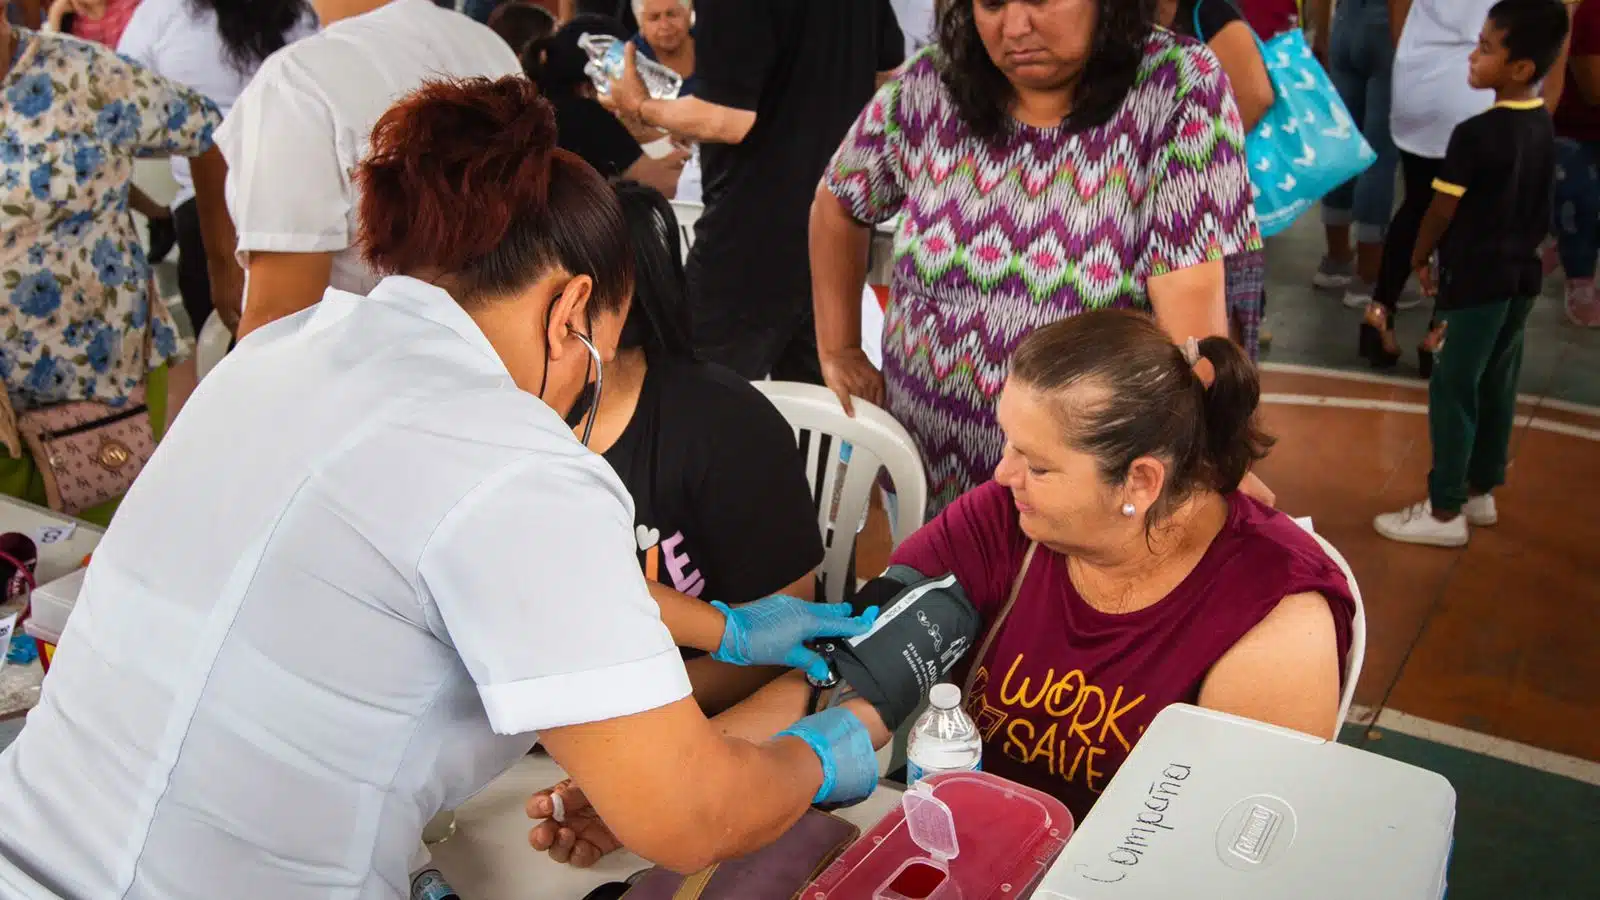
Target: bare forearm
(1319,15)
(720,686)
(31,15)
(783,703)
(282,284)
(839,249)
(693,118)
(754,794)
(1434,225)
(210,173)
(1556,81)
(1398,11)
(1191,302)
(692,623)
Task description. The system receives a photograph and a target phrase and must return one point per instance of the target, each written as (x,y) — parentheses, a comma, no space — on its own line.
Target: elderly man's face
(665,24)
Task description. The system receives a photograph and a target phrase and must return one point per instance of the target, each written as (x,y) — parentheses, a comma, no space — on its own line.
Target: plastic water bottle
(945,739)
(606,65)
(430,885)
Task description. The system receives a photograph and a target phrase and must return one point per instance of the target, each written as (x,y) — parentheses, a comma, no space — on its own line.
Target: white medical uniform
(178,39)
(359,575)
(1431,92)
(300,128)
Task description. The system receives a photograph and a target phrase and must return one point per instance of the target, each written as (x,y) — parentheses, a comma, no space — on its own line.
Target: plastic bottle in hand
(945,739)
(606,65)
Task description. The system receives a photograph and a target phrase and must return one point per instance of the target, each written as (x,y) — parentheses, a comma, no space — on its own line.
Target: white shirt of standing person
(301,126)
(178,39)
(1431,95)
(289,655)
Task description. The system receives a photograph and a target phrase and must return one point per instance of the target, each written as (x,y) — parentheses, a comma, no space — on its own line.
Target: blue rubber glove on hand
(841,742)
(773,632)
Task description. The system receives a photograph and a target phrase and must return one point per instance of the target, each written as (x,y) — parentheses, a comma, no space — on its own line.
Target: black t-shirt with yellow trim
(1501,164)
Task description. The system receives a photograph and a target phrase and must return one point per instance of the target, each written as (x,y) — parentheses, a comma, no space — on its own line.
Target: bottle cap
(945,696)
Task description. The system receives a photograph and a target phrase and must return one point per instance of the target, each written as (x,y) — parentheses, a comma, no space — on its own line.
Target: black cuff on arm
(926,627)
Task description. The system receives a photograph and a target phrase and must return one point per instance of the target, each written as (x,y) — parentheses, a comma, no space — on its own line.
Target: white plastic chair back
(688,214)
(841,490)
(211,345)
(1358,628)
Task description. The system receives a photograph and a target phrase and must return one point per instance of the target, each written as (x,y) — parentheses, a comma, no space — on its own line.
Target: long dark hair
(659,318)
(983,95)
(253,30)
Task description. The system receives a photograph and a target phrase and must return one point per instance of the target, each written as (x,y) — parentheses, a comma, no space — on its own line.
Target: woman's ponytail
(1234,439)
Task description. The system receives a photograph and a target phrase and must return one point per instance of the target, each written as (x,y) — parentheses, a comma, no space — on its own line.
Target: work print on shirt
(1055,720)
(670,555)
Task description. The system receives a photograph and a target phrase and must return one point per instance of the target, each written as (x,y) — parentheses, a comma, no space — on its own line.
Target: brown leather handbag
(87,453)
(779,872)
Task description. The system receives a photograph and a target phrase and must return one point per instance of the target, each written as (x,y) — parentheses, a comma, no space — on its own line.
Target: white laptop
(1214,806)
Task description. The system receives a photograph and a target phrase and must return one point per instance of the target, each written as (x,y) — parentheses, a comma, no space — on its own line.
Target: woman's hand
(773,632)
(581,838)
(849,373)
(1253,487)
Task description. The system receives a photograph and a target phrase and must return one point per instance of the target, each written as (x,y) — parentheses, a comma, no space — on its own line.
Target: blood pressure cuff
(926,626)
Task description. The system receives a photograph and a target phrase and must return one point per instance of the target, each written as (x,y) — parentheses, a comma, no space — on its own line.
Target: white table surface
(489,858)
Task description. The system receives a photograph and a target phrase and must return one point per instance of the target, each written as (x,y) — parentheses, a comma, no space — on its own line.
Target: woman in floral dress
(1045,158)
(78,318)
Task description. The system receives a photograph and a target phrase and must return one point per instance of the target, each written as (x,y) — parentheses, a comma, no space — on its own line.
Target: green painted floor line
(1520,832)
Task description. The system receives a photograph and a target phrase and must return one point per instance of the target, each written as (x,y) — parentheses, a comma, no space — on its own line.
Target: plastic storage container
(956,836)
(51,604)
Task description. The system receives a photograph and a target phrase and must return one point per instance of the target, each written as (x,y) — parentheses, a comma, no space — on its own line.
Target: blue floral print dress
(77,321)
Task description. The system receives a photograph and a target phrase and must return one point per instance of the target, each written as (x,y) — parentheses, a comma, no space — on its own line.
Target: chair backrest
(842,482)
(211,344)
(688,214)
(1358,629)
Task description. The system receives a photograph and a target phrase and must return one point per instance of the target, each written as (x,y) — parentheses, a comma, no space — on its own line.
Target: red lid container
(956,836)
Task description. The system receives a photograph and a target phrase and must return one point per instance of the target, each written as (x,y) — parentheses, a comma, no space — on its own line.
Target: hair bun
(452,165)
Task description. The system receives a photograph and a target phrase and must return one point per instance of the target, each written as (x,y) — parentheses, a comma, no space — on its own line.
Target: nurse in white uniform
(371,565)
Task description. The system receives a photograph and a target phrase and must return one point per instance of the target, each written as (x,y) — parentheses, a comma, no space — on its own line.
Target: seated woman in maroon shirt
(1154,581)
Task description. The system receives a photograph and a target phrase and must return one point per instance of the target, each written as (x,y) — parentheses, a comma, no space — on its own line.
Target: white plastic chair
(1358,628)
(842,490)
(688,213)
(211,345)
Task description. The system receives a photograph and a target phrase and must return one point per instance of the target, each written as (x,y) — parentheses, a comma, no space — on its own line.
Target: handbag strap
(999,620)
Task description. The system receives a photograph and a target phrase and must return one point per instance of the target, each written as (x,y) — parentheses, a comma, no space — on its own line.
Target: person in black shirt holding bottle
(780,82)
(1490,212)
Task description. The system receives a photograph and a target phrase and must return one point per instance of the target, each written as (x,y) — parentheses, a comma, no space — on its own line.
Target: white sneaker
(1416,525)
(1480,511)
(1359,296)
(1333,276)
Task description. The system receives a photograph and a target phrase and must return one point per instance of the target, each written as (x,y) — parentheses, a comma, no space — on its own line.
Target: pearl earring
(1128,509)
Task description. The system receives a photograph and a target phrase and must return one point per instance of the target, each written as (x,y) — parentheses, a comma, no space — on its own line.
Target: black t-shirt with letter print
(722,506)
(1501,163)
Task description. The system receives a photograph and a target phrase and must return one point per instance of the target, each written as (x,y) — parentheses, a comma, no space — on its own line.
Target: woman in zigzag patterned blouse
(1044,158)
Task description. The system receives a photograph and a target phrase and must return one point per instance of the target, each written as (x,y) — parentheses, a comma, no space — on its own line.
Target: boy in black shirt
(1490,211)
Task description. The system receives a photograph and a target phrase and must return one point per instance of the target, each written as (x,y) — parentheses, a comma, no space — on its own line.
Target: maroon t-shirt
(1576,118)
(1270,18)
(1066,690)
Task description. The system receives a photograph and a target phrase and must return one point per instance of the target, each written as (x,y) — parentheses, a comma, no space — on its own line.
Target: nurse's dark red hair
(464,181)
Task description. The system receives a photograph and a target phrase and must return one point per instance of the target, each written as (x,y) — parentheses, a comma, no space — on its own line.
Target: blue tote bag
(1306,145)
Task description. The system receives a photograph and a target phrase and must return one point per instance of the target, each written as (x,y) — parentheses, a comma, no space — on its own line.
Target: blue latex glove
(772,632)
(841,742)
